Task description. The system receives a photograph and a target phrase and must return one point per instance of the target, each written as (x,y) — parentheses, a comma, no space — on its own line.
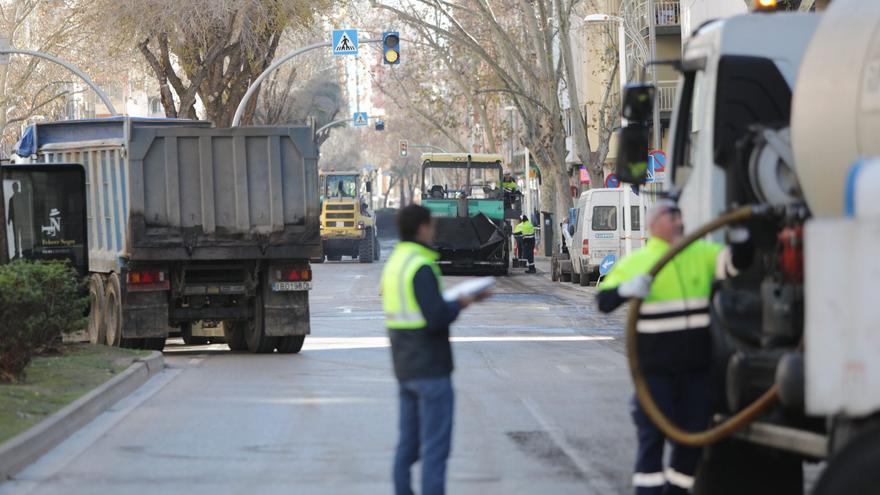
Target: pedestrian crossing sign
(345,42)
(359,119)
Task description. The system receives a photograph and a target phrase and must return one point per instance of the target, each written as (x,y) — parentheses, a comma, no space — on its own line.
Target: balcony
(666,95)
(667,16)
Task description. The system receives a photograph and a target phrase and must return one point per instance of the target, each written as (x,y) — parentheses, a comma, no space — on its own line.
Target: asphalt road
(542,406)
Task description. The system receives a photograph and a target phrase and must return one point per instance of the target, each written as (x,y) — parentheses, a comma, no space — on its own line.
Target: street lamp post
(621,65)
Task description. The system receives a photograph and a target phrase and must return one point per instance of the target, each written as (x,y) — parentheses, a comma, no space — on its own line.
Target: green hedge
(39,301)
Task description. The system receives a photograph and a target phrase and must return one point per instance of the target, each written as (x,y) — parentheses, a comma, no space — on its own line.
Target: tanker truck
(175,223)
(775,126)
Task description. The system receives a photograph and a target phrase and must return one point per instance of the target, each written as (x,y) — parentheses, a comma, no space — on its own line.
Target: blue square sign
(345,42)
(359,119)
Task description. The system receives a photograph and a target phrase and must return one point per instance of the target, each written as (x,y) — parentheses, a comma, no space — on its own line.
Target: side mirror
(369,186)
(638,102)
(632,154)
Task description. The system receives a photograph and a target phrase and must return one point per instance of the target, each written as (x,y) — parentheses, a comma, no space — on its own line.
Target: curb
(28,446)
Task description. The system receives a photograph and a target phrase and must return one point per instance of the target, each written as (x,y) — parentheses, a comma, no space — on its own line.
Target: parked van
(599,230)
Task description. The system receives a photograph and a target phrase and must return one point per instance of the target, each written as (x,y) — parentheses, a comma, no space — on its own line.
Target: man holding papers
(418,319)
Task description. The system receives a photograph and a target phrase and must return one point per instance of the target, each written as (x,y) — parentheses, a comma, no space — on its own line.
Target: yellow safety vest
(525,228)
(402,311)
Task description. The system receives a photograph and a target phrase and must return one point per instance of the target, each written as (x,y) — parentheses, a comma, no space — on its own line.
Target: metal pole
(236,120)
(526,184)
(652,35)
(82,75)
(621,55)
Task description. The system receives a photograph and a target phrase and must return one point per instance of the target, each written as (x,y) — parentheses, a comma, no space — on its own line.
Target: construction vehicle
(775,121)
(348,223)
(471,211)
(181,226)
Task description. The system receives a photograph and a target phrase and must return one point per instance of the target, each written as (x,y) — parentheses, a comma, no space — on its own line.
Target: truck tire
(113,315)
(255,330)
(575,277)
(187,336)
(586,276)
(233,333)
(291,344)
(734,467)
(554,269)
(335,257)
(317,260)
(854,468)
(97,329)
(377,249)
(366,247)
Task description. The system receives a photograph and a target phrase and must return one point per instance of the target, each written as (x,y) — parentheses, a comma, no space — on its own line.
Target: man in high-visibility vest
(507,183)
(418,320)
(674,346)
(526,231)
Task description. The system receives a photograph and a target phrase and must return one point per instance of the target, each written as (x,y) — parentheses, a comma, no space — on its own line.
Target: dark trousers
(684,398)
(426,410)
(519,246)
(529,248)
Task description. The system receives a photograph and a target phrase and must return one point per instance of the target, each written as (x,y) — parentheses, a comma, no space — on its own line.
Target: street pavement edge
(30,445)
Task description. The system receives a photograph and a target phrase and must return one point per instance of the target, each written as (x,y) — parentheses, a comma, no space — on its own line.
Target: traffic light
(380,125)
(391,47)
(403,146)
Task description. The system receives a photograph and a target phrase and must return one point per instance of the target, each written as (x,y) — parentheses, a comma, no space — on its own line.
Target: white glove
(639,286)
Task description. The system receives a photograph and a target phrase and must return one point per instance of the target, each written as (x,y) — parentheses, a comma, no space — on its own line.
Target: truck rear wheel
(586,276)
(575,277)
(233,333)
(113,314)
(734,467)
(255,330)
(97,329)
(291,344)
(377,249)
(366,247)
(554,269)
(854,468)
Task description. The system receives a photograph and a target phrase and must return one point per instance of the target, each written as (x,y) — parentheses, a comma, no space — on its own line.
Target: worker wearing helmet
(507,183)
(674,346)
(526,230)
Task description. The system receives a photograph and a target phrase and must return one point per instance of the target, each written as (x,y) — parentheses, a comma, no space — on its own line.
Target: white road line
(196,360)
(69,450)
(591,476)
(563,368)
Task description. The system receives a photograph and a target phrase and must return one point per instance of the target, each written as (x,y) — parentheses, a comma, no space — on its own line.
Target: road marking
(55,460)
(592,476)
(196,360)
(345,309)
(563,368)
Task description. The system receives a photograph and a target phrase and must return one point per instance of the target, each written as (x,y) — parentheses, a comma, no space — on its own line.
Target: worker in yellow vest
(418,319)
(526,231)
(674,346)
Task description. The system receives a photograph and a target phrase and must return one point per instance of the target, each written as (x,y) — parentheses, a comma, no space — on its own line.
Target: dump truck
(471,211)
(775,138)
(185,223)
(348,223)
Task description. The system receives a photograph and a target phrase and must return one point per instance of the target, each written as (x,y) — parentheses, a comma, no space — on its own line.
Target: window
(604,218)
(634,214)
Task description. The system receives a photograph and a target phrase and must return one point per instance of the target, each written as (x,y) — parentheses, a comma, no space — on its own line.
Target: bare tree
(209,50)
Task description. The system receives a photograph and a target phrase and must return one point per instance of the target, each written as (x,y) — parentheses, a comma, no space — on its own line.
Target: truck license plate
(340,224)
(289,286)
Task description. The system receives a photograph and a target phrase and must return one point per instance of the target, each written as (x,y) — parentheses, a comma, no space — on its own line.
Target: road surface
(542,406)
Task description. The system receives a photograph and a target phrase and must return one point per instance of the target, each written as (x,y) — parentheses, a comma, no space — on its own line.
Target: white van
(599,230)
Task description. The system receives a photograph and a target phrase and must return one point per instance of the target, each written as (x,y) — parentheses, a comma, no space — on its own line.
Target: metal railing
(667,12)
(666,95)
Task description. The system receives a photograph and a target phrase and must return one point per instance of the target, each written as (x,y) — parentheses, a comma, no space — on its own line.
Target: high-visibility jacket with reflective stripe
(674,320)
(510,186)
(399,302)
(525,228)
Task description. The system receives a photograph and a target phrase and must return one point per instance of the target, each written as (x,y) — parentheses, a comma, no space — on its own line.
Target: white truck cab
(600,230)
(745,68)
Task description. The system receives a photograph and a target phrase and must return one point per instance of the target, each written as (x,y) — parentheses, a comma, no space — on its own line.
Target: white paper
(468,288)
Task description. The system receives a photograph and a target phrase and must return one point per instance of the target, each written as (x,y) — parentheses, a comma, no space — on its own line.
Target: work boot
(531,270)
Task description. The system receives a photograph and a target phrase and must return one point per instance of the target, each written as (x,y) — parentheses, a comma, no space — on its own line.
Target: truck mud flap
(286,313)
(145,314)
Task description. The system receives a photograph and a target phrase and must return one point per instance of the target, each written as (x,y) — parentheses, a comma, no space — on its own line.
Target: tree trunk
(4,254)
